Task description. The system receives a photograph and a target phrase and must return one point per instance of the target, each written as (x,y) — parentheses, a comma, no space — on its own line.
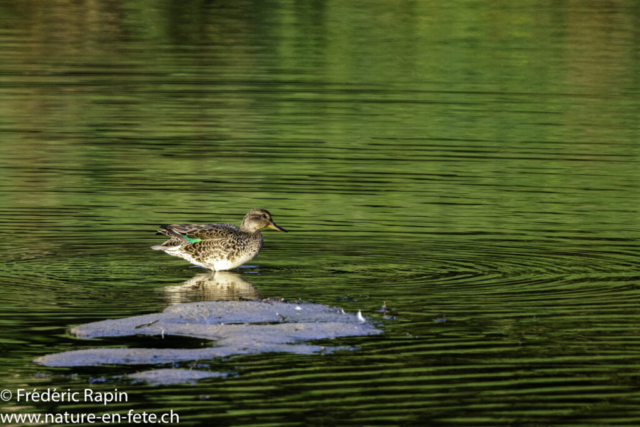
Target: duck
(218,246)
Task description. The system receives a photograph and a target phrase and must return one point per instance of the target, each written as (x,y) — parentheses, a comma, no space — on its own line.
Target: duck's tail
(175,239)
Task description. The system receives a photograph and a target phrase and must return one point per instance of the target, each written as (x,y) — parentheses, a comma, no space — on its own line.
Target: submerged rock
(236,327)
(173,376)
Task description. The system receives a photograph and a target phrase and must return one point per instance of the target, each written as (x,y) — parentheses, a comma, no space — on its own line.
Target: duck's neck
(247,228)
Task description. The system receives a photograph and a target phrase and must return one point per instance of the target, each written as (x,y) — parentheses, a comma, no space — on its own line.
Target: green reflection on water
(474,160)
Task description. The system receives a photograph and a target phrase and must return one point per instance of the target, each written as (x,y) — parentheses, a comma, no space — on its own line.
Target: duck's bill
(277,227)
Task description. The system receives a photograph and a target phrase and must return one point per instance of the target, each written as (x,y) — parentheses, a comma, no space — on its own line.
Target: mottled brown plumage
(218,246)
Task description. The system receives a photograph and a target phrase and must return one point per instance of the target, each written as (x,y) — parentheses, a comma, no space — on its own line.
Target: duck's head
(257,219)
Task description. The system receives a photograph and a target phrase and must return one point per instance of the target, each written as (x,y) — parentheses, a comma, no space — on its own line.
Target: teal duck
(218,246)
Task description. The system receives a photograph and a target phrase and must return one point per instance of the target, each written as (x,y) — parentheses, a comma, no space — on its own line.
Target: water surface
(475,162)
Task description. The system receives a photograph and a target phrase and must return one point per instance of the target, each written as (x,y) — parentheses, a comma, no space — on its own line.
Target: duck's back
(187,228)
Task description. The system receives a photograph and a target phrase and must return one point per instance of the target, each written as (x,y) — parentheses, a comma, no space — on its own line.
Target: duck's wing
(181,234)
(211,232)
(192,228)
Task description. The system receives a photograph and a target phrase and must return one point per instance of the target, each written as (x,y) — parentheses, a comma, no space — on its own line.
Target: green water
(474,160)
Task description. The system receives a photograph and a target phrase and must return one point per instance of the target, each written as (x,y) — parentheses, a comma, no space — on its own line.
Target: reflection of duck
(218,285)
(218,246)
